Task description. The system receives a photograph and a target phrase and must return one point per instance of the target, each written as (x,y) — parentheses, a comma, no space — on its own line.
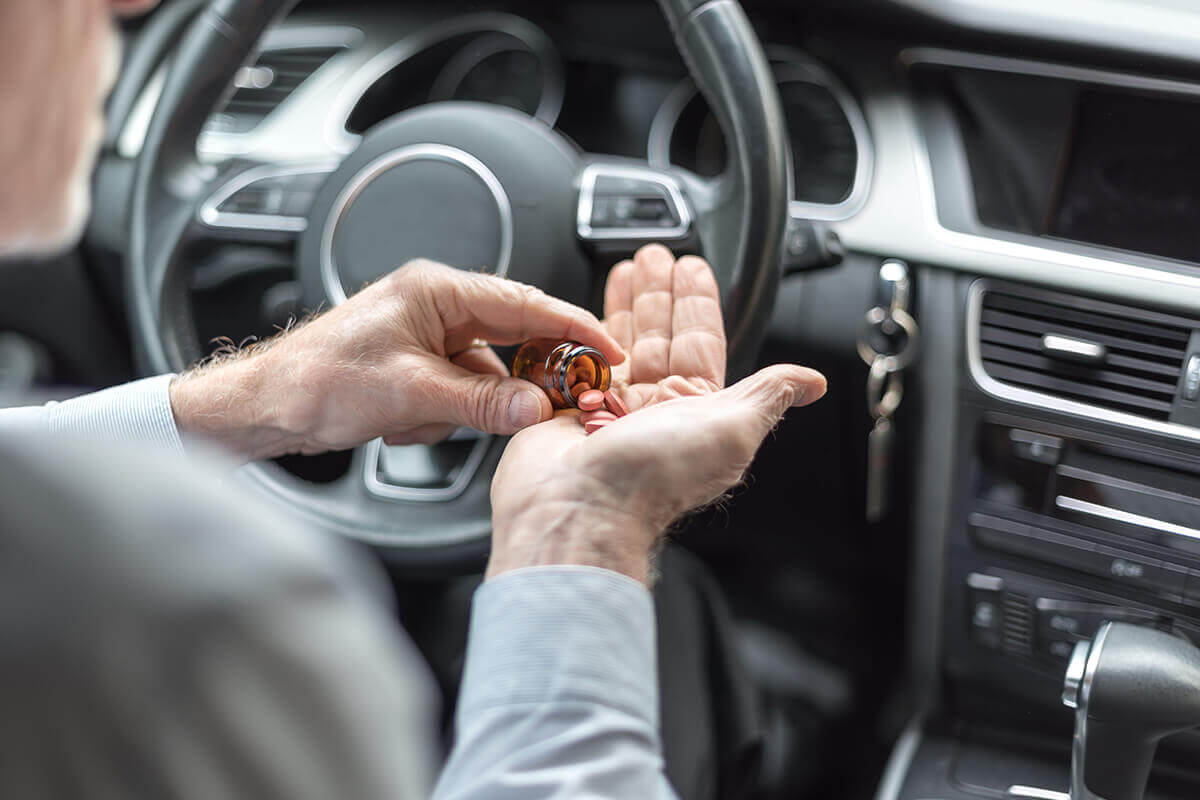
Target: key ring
(884,389)
(876,317)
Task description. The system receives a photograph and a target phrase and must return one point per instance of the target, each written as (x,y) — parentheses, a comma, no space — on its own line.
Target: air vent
(1118,358)
(266,83)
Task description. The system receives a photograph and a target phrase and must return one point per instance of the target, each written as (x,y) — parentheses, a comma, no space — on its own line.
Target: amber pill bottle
(564,370)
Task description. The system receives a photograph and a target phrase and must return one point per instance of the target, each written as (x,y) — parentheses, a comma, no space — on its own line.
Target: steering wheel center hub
(420,201)
(471,185)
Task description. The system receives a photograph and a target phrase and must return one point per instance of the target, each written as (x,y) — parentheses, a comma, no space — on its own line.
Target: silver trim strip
(1079,790)
(899,762)
(793,67)
(939,57)
(1074,675)
(331,280)
(1155,29)
(211,215)
(1016,258)
(1018,792)
(1031,254)
(412,494)
(1091,476)
(587,196)
(1027,397)
(1126,517)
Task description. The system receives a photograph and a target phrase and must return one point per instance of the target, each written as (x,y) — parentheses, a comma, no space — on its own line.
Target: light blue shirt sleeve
(559,696)
(134,412)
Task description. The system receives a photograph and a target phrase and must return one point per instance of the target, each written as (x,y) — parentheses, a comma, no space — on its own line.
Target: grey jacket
(165,635)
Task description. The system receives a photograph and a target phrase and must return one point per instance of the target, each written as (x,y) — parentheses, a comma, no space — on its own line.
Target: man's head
(58,59)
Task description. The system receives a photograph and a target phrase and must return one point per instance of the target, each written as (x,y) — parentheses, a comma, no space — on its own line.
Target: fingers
(773,390)
(740,417)
(697,328)
(475,305)
(487,402)
(618,304)
(652,314)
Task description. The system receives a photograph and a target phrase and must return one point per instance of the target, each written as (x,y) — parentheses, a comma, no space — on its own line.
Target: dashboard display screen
(1133,175)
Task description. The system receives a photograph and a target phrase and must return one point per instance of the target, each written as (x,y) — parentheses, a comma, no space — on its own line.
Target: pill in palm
(614,403)
(591,426)
(590,400)
(596,416)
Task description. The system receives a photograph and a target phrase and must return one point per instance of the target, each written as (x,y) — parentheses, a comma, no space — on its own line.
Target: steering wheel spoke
(406,499)
(625,203)
(261,202)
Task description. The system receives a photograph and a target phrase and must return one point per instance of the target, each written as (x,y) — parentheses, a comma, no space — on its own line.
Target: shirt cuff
(139,411)
(561,634)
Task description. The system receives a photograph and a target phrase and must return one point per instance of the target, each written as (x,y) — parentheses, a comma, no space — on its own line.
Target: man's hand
(561,497)
(395,360)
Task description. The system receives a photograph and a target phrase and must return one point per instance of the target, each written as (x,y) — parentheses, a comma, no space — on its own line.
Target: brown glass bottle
(564,370)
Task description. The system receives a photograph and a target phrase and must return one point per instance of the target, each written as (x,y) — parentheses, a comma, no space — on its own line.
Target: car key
(884,392)
(887,343)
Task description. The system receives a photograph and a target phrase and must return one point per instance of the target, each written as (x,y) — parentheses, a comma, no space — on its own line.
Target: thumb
(486,402)
(774,389)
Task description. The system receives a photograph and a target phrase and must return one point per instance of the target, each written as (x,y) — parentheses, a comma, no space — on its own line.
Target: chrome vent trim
(1121,415)
(267,83)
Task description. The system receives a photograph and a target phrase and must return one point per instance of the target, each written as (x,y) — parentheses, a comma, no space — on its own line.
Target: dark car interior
(991,249)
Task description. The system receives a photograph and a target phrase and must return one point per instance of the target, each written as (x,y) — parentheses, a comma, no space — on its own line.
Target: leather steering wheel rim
(741,234)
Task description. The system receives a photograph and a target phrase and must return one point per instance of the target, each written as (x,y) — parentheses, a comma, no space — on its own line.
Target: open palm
(561,496)
(666,314)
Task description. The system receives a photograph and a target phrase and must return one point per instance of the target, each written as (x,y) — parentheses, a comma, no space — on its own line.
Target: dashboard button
(1072,620)
(1119,566)
(1059,649)
(1035,446)
(1147,574)
(1062,623)
(1057,619)
(985,609)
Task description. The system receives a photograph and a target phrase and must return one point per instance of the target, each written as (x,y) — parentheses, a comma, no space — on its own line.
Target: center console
(1073,494)
(1056,477)
(1065,525)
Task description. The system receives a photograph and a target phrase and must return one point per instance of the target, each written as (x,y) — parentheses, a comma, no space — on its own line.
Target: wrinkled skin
(395,360)
(562,497)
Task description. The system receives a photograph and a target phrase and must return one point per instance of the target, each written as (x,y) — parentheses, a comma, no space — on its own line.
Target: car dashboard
(1039,188)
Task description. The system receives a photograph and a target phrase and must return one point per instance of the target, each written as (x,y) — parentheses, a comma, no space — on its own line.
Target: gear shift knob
(1130,687)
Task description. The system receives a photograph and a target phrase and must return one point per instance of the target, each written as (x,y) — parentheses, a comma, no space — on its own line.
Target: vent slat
(1014,322)
(1078,373)
(1121,326)
(1160,409)
(1033,344)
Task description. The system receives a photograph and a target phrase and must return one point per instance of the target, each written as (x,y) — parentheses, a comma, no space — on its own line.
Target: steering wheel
(472,184)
